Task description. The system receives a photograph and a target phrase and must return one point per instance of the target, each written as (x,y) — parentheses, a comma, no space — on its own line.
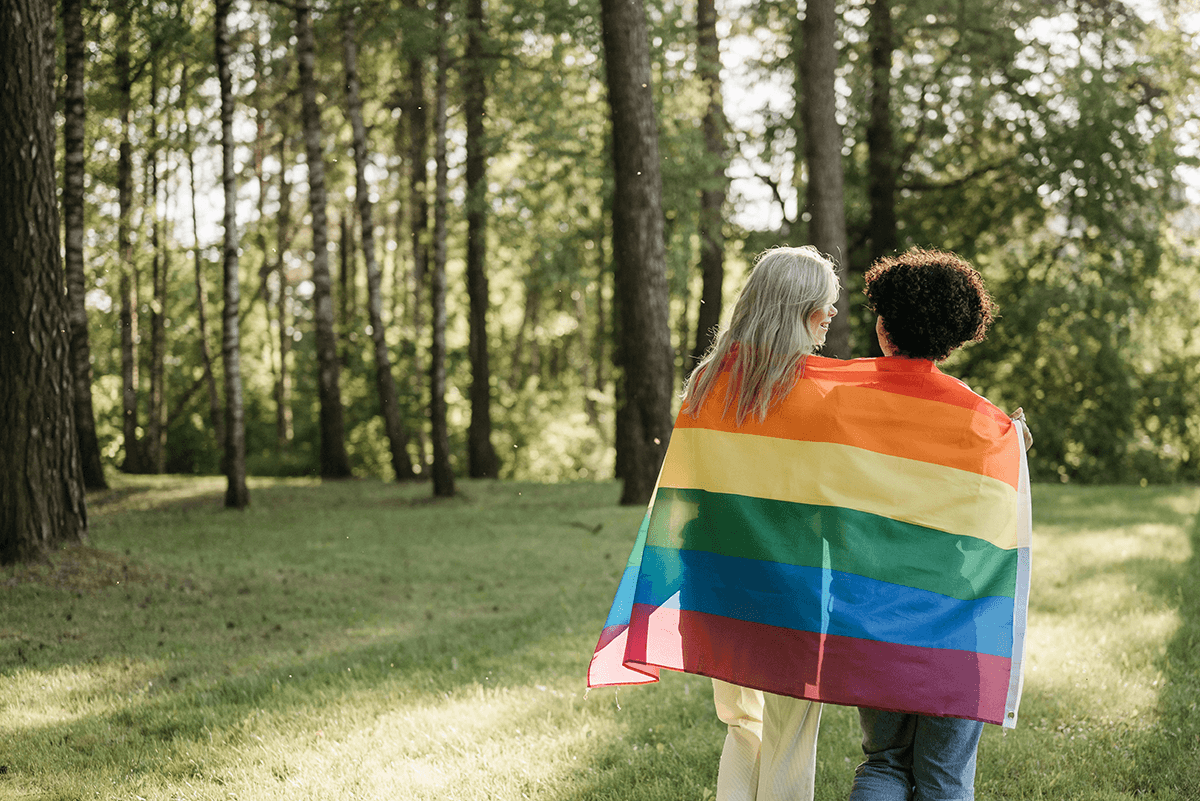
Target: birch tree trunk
(236,494)
(216,417)
(283,387)
(334,461)
(42,501)
(443,473)
(823,154)
(385,383)
(127,287)
(640,281)
(73,207)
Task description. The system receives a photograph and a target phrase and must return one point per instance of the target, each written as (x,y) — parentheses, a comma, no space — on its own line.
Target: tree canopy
(1046,142)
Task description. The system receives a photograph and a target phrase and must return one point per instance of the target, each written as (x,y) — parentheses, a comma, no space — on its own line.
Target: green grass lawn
(358,640)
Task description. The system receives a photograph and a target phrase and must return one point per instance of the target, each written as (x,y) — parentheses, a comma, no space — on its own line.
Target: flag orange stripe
(849,414)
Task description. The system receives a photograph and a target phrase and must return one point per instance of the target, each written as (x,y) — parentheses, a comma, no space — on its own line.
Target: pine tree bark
(881,154)
(74,116)
(712,196)
(443,472)
(640,280)
(236,494)
(42,503)
(385,382)
(481,455)
(334,461)
(823,154)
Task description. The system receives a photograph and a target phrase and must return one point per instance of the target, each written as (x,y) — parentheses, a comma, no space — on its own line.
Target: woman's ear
(885,342)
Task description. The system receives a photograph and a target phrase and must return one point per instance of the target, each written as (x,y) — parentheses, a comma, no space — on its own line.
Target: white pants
(770,752)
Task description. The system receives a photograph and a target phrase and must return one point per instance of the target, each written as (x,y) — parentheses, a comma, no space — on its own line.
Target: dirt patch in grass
(79,568)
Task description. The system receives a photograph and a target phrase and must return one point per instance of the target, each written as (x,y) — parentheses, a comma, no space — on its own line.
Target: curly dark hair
(931,302)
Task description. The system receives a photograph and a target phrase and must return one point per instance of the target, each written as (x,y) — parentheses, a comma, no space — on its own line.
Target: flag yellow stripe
(831,474)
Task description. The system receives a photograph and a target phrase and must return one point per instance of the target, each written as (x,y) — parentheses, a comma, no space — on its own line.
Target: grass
(357,640)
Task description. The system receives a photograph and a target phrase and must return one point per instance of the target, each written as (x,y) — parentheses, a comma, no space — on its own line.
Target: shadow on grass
(231,619)
(1168,757)
(1085,509)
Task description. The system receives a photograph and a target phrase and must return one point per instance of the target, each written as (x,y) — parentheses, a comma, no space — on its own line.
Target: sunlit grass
(357,640)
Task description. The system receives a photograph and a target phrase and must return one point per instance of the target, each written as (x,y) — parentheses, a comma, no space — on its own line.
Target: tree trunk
(155,440)
(134,462)
(73,208)
(823,153)
(236,494)
(385,383)
(443,473)
(712,195)
(481,455)
(216,418)
(283,387)
(639,252)
(603,271)
(345,286)
(42,502)
(881,154)
(265,268)
(334,461)
(417,127)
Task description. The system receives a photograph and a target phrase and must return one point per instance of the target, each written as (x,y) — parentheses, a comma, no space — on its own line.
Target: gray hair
(768,335)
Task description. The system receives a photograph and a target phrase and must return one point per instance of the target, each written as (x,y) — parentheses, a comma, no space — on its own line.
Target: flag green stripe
(826,536)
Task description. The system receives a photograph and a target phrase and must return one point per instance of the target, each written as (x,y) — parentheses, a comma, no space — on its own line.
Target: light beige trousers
(770,751)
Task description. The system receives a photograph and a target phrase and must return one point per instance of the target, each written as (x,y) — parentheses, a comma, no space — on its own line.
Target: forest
(392,239)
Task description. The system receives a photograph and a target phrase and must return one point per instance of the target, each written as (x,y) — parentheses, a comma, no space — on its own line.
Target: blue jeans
(916,758)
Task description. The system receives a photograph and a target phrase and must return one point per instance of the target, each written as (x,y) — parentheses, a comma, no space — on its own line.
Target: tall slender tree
(216,415)
(74,117)
(640,281)
(481,455)
(42,500)
(237,496)
(345,294)
(443,472)
(712,194)
(414,117)
(385,382)
(883,237)
(823,153)
(134,461)
(156,433)
(335,463)
(283,384)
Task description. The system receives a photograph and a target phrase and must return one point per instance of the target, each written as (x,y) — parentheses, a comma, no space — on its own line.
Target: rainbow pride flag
(868,544)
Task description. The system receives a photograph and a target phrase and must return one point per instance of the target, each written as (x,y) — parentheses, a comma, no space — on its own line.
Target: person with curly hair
(928,303)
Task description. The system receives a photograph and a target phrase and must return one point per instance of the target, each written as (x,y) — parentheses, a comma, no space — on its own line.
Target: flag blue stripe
(790,596)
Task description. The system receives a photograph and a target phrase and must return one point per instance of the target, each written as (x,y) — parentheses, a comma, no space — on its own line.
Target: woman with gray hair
(781,317)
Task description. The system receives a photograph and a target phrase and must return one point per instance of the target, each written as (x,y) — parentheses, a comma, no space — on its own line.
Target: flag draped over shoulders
(867,544)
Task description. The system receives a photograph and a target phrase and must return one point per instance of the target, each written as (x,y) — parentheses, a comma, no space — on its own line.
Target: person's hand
(1019,414)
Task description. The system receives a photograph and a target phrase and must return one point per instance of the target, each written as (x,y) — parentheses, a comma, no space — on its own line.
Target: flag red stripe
(839,670)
